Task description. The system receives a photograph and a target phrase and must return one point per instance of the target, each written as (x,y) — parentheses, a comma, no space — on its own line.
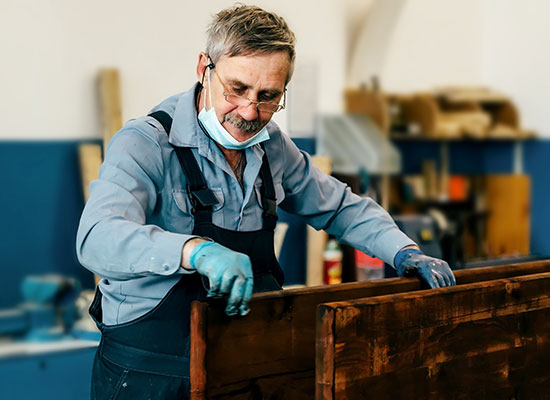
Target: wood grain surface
(270,353)
(484,340)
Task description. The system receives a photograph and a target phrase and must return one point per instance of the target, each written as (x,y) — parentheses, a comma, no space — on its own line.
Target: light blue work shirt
(138,216)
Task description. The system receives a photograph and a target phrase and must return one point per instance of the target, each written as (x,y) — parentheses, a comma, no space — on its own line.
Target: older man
(185,207)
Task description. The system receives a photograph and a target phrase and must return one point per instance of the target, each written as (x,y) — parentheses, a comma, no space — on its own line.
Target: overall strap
(164,119)
(267,190)
(202,199)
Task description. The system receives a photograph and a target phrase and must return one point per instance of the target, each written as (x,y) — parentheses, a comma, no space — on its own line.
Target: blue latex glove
(435,272)
(229,272)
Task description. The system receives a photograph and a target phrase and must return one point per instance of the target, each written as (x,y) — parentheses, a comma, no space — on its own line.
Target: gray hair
(246,30)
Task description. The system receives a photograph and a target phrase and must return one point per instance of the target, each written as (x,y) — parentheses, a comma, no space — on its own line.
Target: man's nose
(249,112)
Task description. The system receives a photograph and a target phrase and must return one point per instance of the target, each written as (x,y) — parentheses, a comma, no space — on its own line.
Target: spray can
(332,262)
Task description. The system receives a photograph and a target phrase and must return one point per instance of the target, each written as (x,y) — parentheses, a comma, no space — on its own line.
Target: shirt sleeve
(328,204)
(113,239)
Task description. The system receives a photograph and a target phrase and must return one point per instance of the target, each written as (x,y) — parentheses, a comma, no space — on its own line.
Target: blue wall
(40,205)
(537,165)
(494,157)
(41,201)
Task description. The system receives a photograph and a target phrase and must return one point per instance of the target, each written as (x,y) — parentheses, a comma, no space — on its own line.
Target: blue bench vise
(48,311)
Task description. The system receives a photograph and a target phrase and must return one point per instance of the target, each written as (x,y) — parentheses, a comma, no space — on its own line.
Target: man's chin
(234,125)
(243,137)
(240,135)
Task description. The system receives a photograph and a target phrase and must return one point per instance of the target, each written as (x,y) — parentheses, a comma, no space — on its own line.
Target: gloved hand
(435,272)
(229,272)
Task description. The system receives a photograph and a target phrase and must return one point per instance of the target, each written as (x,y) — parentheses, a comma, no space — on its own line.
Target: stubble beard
(242,124)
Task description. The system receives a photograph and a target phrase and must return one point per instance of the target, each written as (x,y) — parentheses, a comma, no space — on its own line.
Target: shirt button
(166,267)
(132,268)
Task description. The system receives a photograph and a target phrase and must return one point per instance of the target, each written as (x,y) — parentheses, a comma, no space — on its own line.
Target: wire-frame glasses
(241,101)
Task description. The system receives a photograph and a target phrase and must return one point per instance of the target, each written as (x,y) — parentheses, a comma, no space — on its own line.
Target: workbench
(59,370)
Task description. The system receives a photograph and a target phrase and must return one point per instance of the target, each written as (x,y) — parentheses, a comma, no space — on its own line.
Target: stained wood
(484,340)
(197,356)
(270,353)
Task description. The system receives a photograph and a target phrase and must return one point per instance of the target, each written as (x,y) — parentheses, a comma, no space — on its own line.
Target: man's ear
(204,62)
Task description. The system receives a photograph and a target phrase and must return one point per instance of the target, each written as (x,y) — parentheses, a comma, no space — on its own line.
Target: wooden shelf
(403,136)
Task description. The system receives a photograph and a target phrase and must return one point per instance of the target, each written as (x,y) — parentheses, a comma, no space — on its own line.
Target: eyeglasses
(245,102)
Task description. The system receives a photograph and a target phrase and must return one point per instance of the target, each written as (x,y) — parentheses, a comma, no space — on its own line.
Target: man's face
(259,77)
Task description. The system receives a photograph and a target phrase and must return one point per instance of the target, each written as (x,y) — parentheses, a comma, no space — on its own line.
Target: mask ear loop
(210,67)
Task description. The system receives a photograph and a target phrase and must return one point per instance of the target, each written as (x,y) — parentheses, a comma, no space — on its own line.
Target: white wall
(517,56)
(414,45)
(420,44)
(51,52)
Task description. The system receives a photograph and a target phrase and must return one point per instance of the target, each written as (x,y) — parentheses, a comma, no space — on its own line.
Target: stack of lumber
(444,113)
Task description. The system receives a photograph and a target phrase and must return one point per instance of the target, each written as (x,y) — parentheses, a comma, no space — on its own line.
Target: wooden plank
(478,340)
(197,357)
(508,199)
(111,105)
(271,351)
(89,159)
(486,378)
(324,354)
(316,240)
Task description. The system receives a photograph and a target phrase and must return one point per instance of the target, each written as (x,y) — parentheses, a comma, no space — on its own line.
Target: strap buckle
(201,198)
(270,207)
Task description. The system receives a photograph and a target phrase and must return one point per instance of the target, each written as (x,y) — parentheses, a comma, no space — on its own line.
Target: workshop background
(445,100)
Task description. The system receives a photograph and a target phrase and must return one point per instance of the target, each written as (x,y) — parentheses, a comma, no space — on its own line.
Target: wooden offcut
(270,353)
(484,340)
(110,100)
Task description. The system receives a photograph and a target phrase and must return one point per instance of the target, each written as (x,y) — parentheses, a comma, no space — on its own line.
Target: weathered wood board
(485,340)
(270,353)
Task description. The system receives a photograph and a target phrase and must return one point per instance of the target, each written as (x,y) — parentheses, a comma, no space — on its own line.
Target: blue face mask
(216,131)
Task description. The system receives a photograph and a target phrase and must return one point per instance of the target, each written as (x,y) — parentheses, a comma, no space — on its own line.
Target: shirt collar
(185,131)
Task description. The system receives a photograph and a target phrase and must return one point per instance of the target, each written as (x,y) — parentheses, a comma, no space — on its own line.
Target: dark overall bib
(148,358)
